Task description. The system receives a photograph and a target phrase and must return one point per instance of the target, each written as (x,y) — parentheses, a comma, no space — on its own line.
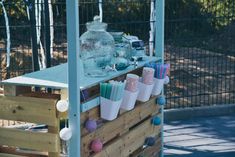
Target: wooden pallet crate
(124,135)
(121,137)
(29,109)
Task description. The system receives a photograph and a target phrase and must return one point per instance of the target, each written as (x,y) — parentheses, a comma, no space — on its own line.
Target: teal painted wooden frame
(73,70)
(159,50)
(73,76)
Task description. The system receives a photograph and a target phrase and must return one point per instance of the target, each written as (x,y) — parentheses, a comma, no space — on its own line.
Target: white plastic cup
(109,109)
(129,99)
(158,86)
(145,91)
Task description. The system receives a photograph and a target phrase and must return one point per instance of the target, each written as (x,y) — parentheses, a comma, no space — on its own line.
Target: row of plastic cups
(110,109)
(143,91)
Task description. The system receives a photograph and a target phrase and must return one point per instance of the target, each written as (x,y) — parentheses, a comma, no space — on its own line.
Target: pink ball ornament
(96,145)
(91,125)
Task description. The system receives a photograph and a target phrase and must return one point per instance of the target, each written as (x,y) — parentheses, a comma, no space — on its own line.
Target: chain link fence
(199,45)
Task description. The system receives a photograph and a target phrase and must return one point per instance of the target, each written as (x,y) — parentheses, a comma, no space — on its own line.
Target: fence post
(47,34)
(31,5)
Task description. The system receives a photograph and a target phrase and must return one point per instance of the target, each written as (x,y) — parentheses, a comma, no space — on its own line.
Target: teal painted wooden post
(73,76)
(159,50)
(159,40)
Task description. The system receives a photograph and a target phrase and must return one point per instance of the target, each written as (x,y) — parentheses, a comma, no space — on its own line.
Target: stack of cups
(146,84)
(132,82)
(161,78)
(148,75)
(131,92)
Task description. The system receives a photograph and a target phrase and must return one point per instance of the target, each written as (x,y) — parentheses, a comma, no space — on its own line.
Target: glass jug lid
(96,25)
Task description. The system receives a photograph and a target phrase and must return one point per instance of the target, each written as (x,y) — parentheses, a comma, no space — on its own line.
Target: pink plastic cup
(148,75)
(132,82)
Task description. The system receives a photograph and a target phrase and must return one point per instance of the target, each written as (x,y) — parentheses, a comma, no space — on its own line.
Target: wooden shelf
(56,77)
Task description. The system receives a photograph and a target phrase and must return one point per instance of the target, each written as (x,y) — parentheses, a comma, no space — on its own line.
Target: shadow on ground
(200,137)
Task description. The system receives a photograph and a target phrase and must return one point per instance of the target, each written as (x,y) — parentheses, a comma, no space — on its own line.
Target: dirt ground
(199,77)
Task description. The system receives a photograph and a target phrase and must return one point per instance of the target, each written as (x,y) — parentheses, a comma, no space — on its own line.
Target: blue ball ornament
(150,141)
(156,120)
(161,100)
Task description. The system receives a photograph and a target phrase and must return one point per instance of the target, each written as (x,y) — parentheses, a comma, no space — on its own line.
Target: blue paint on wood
(159,47)
(73,76)
(58,75)
(90,104)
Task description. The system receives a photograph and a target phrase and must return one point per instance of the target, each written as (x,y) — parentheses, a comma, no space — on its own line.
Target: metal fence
(201,49)
(199,43)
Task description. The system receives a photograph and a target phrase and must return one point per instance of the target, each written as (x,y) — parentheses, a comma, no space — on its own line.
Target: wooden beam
(128,143)
(11,90)
(55,130)
(22,152)
(10,155)
(29,140)
(149,151)
(1,90)
(41,95)
(119,126)
(27,109)
(64,94)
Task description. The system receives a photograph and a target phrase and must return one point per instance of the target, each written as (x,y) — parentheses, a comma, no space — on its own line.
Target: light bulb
(62,105)
(65,134)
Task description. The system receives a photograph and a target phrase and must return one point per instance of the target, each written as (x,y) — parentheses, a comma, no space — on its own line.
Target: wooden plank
(64,94)
(22,152)
(55,130)
(10,155)
(35,110)
(149,151)
(1,90)
(120,125)
(29,140)
(11,90)
(136,139)
(41,95)
(128,143)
